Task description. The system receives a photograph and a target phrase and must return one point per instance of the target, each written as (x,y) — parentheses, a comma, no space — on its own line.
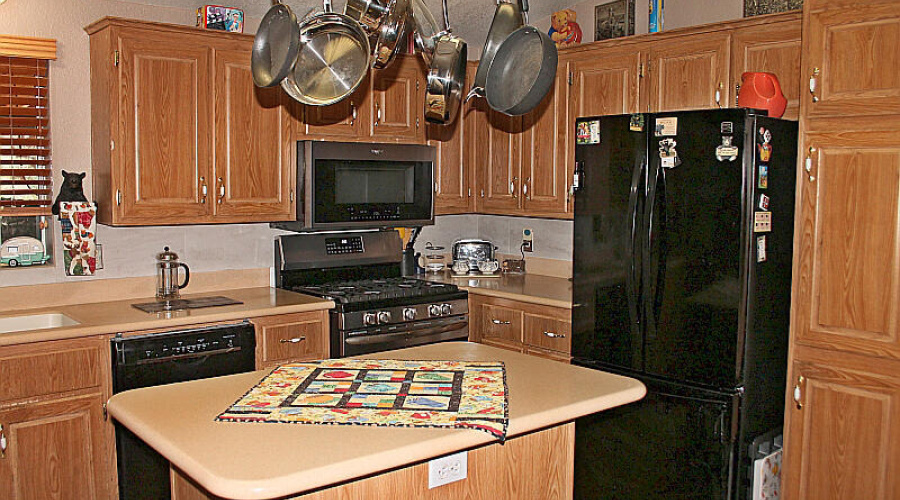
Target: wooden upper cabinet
(848,247)
(543,173)
(253,169)
(179,133)
(772,48)
(496,149)
(843,434)
(454,178)
(346,120)
(398,100)
(690,72)
(164,147)
(607,83)
(851,60)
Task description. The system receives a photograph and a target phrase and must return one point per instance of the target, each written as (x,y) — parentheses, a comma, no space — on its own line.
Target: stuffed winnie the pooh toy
(564,31)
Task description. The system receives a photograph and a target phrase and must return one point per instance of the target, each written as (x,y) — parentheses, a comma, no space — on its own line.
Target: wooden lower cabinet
(535,329)
(536,466)
(286,338)
(57,442)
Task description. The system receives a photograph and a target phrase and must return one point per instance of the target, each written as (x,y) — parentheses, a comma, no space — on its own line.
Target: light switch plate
(447,469)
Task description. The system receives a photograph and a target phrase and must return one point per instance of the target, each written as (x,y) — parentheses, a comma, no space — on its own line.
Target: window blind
(25,174)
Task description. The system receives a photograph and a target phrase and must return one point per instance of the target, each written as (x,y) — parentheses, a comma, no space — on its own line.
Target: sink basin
(35,322)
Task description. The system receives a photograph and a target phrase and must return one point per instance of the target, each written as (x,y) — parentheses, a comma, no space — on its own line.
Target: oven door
(355,342)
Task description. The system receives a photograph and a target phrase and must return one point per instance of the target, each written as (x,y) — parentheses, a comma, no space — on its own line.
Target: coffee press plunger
(167,265)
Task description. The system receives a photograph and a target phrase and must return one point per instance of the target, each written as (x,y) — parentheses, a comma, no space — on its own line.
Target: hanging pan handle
(446,16)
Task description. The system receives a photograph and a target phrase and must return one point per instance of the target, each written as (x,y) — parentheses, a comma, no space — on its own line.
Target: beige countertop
(533,288)
(269,460)
(119,316)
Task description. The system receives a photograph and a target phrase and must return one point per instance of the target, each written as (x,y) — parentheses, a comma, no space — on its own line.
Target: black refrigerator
(682,279)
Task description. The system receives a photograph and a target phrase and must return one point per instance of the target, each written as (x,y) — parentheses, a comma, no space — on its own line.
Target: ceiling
(470,19)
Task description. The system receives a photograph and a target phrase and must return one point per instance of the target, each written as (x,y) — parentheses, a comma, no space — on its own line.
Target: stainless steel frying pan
(523,70)
(275,46)
(391,33)
(446,76)
(507,18)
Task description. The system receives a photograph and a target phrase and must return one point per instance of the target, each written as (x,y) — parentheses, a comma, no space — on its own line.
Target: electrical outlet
(527,240)
(447,469)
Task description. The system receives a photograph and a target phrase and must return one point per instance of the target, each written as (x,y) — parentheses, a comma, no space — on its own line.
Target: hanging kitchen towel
(458,394)
(79,225)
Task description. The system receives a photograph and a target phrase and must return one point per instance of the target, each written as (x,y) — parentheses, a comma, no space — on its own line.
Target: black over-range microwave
(350,185)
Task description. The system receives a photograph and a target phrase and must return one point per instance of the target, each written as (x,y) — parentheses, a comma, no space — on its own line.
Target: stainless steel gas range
(376,308)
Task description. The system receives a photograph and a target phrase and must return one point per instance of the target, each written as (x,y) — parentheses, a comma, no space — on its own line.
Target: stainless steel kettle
(167,287)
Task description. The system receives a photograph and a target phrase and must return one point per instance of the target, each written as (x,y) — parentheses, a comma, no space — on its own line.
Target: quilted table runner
(461,394)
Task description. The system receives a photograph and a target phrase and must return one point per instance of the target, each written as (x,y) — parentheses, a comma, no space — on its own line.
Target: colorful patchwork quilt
(459,394)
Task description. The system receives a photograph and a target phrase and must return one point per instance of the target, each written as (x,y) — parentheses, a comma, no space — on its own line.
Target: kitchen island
(213,459)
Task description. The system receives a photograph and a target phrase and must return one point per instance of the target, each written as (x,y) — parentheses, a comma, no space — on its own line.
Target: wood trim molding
(22,46)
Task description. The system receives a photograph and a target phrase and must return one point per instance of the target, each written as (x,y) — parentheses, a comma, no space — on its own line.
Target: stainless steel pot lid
(425,30)
(275,46)
(332,62)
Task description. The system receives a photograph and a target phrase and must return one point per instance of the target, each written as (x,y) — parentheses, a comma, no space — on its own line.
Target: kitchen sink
(35,322)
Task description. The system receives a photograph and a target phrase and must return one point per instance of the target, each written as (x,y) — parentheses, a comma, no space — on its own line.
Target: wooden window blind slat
(25,173)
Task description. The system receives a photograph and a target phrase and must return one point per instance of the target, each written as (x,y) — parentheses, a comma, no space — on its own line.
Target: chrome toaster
(473,251)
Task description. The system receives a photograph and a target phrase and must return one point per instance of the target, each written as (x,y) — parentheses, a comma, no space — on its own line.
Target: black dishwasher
(165,358)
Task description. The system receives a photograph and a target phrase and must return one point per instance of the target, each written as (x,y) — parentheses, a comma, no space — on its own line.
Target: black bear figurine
(71,190)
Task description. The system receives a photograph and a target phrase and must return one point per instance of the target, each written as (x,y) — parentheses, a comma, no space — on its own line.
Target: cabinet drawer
(548,333)
(501,323)
(291,337)
(45,368)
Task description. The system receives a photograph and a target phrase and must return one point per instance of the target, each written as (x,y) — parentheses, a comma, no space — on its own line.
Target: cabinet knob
(294,340)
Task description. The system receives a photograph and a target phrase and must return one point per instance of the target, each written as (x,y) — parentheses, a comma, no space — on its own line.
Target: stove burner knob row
(409,313)
(384,317)
(370,319)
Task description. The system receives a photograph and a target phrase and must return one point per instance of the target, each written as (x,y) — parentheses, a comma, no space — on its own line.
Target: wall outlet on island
(447,469)
(527,240)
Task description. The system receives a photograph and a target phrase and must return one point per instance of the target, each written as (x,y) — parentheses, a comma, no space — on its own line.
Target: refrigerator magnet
(762,222)
(726,150)
(666,126)
(763,202)
(765,144)
(727,128)
(636,124)
(763,176)
(587,132)
(761,248)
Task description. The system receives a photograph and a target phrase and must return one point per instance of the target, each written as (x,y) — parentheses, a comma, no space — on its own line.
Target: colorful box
(656,15)
(217,17)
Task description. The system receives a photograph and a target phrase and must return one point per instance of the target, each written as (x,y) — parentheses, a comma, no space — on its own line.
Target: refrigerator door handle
(632,276)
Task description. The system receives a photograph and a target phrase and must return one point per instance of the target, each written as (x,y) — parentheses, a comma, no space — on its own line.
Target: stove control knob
(384,317)
(369,319)
(445,309)
(434,310)
(409,313)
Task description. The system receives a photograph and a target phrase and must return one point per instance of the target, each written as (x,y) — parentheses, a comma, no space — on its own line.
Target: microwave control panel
(344,245)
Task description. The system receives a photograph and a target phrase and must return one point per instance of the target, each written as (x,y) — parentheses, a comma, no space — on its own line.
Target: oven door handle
(382,337)
(192,355)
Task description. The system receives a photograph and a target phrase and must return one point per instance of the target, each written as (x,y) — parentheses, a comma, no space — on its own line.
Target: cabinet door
(398,94)
(495,151)
(847,293)
(605,81)
(501,323)
(551,332)
(291,337)
(850,60)
(347,120)
(690,72)
(54,450)
(772,48)
(544,187)
(252,144)
(164,90)
(454,179)
(843,436)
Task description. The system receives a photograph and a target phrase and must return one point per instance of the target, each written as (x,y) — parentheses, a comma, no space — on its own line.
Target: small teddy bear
(70,190)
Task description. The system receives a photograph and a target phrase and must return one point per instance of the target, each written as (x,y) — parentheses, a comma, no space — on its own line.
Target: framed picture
(614,19)
(758,7)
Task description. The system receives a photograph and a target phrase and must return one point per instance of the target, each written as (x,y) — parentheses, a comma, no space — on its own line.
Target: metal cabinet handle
(498,322)
(809,163)
(293,340)
(814,83)
(719,94)
(797,392)
(352,114)
(2,442)
(525,187)
(377,114)
(554,335)
(203,189)
(512,187)
(737,94)
(221,183)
